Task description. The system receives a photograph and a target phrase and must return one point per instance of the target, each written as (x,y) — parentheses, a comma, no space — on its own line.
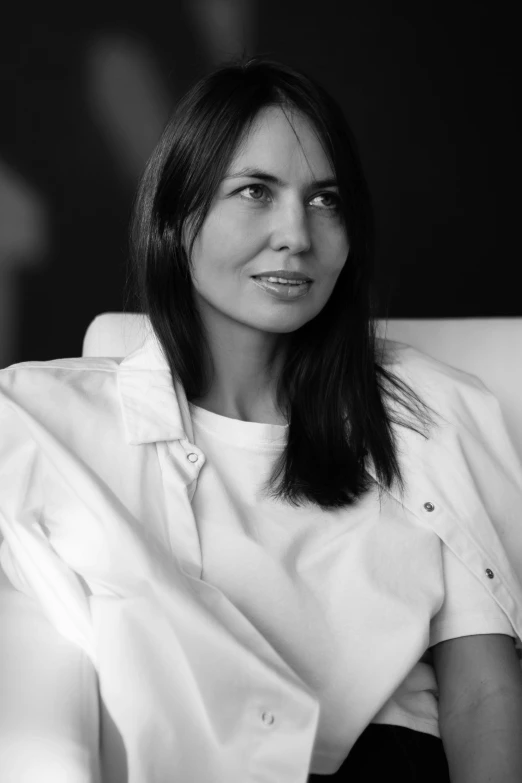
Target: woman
(271,571)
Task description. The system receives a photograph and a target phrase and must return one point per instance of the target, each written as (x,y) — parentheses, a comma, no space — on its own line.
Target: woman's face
(255,226)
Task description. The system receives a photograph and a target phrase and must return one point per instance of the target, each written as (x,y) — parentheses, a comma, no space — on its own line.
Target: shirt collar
(153,409)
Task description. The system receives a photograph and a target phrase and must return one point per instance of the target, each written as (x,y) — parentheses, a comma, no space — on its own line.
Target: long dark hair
(333,385)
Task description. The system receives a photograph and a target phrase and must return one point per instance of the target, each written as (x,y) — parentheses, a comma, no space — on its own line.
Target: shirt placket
(181,463)
(279,713)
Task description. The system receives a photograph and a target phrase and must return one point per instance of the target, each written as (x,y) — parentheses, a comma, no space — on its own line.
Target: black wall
(429,89)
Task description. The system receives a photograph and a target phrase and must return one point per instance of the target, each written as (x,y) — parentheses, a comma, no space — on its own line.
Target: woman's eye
(253,187)
(332,199)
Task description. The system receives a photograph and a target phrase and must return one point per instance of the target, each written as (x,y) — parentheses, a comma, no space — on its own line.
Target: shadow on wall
(24,241)
(128,98)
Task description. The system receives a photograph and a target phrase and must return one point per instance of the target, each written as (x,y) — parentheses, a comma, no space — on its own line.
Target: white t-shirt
(296,573)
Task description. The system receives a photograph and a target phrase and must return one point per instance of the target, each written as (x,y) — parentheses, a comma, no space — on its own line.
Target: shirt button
(429,506)
(490,573)
(267,718)
(192,457)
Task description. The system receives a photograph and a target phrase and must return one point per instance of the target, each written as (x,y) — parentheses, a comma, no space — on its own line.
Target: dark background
(429,89)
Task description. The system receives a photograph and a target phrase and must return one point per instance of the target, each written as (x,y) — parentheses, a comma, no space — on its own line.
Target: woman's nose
(291,230)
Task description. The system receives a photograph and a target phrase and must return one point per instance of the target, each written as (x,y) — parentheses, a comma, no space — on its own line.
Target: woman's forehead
(275,124)
(284,139)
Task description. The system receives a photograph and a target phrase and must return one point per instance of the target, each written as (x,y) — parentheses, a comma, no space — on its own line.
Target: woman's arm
(480,708)
(49,706)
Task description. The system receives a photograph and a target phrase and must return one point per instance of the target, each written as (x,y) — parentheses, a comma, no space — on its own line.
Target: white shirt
(236,638)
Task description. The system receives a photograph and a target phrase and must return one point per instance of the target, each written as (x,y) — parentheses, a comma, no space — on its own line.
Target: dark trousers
(385,752)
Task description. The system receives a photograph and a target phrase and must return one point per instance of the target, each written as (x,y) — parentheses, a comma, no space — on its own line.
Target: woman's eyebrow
(273,180)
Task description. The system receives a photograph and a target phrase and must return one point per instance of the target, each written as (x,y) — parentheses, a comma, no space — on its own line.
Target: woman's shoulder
(36,371)
(78,363)
(37,386)
(436,381)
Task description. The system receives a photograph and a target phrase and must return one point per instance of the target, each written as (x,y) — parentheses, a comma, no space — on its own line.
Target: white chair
(490,348)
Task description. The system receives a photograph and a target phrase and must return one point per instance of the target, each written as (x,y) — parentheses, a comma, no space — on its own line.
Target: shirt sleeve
(468,468)
(49,712)
(27,557)
(468,607)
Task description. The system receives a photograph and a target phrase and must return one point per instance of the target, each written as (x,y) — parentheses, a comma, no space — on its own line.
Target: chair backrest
(490,348)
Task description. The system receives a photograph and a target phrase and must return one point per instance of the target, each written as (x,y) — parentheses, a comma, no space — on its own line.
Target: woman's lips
(285,292)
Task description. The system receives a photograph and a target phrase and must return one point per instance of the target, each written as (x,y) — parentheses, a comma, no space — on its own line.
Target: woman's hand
(480,708)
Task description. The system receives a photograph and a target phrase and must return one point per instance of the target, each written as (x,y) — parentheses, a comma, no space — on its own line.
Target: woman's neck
(262,411)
